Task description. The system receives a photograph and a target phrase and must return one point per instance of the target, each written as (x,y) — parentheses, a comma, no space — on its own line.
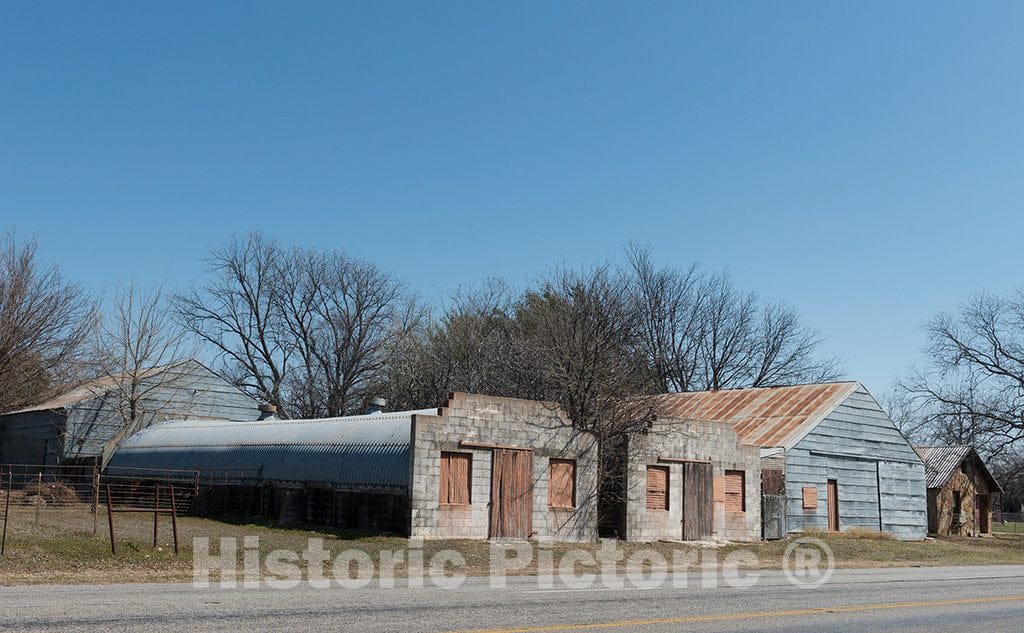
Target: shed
(480,467)
(691,480)
(828,448)
(961,490)
(78,426)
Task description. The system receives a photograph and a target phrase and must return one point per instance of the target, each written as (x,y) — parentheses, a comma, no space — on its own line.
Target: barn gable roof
(941,462)
(763,416)
(97,387)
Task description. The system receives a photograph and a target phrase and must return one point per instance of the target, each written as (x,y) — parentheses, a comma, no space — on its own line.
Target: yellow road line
(690,619)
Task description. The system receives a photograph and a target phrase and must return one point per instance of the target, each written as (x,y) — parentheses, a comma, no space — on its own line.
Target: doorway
(982,509)
(832,498)
(511,494)
(698,501)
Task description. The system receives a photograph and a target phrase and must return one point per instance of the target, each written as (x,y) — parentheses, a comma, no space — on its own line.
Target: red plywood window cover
(718,489)
(810,497)
(735,497)
(456,476)
(657,487)
(562,484)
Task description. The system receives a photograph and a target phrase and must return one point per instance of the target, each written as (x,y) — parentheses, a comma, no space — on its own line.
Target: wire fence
(52,502)
(1012,522)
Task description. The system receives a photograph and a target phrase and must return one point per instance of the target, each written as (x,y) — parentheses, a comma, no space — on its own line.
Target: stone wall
(968,481)
(486,420)
(716,442)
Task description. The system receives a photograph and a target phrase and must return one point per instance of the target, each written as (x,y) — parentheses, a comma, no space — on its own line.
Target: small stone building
(830,455)
(691,481)
(480,467)
(961,491)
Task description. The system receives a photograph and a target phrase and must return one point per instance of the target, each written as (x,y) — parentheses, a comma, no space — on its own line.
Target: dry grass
(61,548)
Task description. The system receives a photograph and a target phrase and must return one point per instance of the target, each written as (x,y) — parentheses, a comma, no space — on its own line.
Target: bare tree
(342,316)
(467,348)
(45,324)
(236,314)
(138,341)
(670,304)
(700,332)
(309,331)
(971,390)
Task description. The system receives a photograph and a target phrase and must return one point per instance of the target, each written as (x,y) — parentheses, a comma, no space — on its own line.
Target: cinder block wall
(714,441)
(544,427)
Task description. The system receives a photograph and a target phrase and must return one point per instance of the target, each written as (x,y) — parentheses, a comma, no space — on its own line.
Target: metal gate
(698,502)
(511,494)
(773,517)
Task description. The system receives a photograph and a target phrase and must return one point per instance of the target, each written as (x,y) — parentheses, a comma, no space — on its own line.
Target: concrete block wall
(697,440)
(542,427)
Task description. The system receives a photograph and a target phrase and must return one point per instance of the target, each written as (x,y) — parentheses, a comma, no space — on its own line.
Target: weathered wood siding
(188,390)
(880,478)
(33,437)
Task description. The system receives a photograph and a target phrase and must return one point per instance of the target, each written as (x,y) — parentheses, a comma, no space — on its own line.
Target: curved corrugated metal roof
(364,450)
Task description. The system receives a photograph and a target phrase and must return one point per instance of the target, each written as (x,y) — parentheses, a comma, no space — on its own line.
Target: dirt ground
(72,545)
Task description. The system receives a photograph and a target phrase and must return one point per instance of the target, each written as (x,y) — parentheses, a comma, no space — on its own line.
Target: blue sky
(862,161)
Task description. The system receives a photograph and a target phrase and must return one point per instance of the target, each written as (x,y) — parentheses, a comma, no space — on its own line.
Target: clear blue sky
(863,161)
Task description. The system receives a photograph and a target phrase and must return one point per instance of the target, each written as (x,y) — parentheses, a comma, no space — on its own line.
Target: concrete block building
(693,481)
(480,467)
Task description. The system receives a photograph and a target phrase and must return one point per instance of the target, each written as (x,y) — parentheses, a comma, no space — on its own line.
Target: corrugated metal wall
(185,390)
(32,437)
(880,477)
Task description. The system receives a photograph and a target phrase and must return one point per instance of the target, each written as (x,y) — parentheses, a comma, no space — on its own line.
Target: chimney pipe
(376,406)
(268,412)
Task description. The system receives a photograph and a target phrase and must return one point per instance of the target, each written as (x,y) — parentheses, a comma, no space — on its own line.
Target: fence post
(156,512)
(110,522)
(95,499)
(7,509)
(174,521)
(39,496)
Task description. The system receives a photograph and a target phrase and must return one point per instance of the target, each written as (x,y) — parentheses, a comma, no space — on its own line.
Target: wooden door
(511,494)
(833,505)
(698,502)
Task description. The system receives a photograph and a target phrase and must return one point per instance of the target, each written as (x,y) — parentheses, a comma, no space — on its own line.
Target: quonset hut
(481,467)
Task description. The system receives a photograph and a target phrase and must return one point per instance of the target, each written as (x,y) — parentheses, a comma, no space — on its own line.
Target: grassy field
(60,547)
(1008,528)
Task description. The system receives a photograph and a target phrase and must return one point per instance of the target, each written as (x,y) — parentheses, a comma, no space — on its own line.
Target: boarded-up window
(657,487)
(810,497)
(735,499)
(562,485)
(456,475)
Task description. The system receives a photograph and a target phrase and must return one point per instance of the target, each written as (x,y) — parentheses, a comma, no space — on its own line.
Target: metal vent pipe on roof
(268,412)
(376,406)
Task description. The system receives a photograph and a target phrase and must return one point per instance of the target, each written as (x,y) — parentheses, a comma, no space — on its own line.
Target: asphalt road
(960,599)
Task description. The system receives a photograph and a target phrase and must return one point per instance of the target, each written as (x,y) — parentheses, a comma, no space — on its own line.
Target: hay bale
(56,493)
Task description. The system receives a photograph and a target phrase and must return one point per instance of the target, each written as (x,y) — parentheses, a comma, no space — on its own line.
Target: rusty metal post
(7,509)
(156,512)
(174,521)
(110,522)
(39,495)
(95,500)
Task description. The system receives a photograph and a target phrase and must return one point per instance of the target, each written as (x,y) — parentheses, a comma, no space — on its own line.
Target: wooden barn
(961,491)
(829,454)
(78,426)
